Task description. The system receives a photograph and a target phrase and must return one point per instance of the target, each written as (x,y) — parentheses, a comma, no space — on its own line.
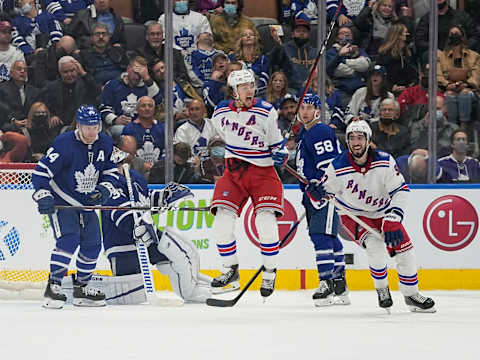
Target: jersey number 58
(323,146)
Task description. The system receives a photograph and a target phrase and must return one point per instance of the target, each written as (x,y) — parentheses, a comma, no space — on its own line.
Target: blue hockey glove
(145,233)
(167,197)
(99,196)
(279,156)
(45,201)
(392,228)
(315,191)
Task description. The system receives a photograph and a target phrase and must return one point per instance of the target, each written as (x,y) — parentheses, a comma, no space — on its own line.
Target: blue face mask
(292,154)
(439,114)
(217,151)
(181,7)
(344,41)
(230,9)
(26,8)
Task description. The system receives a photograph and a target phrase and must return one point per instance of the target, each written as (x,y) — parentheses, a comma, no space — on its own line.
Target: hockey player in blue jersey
(317,146)
(368,184)
(76,170)
(169,251)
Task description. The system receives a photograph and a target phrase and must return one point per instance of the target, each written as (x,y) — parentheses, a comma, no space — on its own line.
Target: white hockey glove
(279,156)
(145,230)
(167,197)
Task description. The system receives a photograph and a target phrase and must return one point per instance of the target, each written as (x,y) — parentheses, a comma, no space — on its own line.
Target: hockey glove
(44,200)
(167,197)
(279,156)
(145,233)
(317,194)
(392,228)
(99,196)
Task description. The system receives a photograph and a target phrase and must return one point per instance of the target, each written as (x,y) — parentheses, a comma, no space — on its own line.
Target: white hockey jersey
(249,134)
(368,190)
(186,29)
(197,137)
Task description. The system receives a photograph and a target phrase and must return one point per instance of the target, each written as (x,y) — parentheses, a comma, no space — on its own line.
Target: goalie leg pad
(407,272)
(222,233)
(267,228)
(377,261)
(182,268)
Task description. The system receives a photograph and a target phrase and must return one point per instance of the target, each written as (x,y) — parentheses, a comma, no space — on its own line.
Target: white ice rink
(286,327)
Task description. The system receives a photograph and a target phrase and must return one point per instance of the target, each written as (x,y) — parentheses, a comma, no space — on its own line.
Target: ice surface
(286,327)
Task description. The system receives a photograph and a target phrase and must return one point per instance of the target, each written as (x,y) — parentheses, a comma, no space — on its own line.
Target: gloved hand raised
(167,197)
(392,228)
(45,201)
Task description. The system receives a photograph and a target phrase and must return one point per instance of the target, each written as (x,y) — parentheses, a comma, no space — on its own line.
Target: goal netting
(23,235)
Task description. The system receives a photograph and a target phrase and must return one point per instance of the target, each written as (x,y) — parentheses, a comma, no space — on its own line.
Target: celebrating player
(317,147)
(172,255)
(250,131)
(368,184)
(76,170)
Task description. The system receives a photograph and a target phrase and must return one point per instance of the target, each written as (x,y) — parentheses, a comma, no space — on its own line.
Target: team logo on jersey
(450,223)
(86,180)
(285,223)
(129,105)
(185,40)
(353,6)
(9,240)
(148,152)
(4,73)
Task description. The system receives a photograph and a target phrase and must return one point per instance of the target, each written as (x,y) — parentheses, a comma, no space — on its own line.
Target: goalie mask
(360,126)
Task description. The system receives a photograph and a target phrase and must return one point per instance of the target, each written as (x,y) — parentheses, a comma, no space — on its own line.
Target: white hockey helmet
(359,126)
(238,77)
(118,155)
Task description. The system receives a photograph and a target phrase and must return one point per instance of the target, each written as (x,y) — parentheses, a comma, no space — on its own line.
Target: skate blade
(323,302)
(89,303)
(53,304)
(342,300)
(416,309)
(233,286)
(388,310)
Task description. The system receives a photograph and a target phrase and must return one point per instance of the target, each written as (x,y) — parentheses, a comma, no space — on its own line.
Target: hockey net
(17,277)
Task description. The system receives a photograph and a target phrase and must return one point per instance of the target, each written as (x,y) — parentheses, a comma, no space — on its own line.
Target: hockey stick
(340,207)
(142,253)
(315,64)
(137,208)
(232,302)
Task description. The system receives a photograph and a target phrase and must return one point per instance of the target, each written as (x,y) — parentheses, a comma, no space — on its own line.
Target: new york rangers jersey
(368,190)
(249,134)
(117,225)
(150,141)
(196,136)
(71,169)
(316,148)
(186,29)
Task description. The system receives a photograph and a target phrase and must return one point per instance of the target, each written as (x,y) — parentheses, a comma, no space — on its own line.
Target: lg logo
(450,223)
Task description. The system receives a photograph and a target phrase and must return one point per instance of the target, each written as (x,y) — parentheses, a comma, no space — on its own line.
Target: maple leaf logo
(86,180)
(4,74)
(148,152)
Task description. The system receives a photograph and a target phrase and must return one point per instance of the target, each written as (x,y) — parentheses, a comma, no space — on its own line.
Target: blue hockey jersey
(316,148)
(201,62)
(150,142)
(117,225)
(71,169)
(62,9)
(26,30)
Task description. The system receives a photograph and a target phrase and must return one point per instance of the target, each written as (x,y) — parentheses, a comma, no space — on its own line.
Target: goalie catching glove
(392,227)
(167,197)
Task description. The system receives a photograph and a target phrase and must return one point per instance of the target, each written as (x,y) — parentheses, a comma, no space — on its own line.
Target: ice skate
(268,282)
(324,295)
(227,281)
(53,296)
(84,295)
(420,303)
(384,298)
(341,291)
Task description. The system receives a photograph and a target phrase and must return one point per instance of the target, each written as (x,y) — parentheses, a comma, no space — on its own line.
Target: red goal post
(18,277)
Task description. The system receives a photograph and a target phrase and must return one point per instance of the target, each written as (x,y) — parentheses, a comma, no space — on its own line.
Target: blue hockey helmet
(313,99)
(88,115)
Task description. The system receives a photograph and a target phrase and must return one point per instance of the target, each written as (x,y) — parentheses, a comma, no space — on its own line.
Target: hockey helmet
(88,115)
(118,155)
(238,77)
(311,98)
(359,126)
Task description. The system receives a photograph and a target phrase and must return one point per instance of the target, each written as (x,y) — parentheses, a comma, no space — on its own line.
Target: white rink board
(36,241)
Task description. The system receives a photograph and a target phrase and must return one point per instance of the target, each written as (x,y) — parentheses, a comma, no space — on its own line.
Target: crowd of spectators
(57,55)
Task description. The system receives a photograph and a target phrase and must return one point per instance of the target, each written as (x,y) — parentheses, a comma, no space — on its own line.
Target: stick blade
(221,302)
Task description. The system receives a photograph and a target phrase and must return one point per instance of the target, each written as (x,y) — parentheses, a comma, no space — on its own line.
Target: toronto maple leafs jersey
(117,225)
(249,134)
(71,169)
(186,29)
(306,9)
(201,63)
(150,141)
(350,8)
(368,190)
(7,58)
(316,148)
(26,29)
(196,136)
(64,8)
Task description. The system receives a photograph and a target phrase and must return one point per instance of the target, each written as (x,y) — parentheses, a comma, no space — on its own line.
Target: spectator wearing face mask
(210,169)
(458,166)
(445,129)
(39,134)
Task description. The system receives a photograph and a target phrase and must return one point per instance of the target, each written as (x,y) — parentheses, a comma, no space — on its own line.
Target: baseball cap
(379,69)
(302,22)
